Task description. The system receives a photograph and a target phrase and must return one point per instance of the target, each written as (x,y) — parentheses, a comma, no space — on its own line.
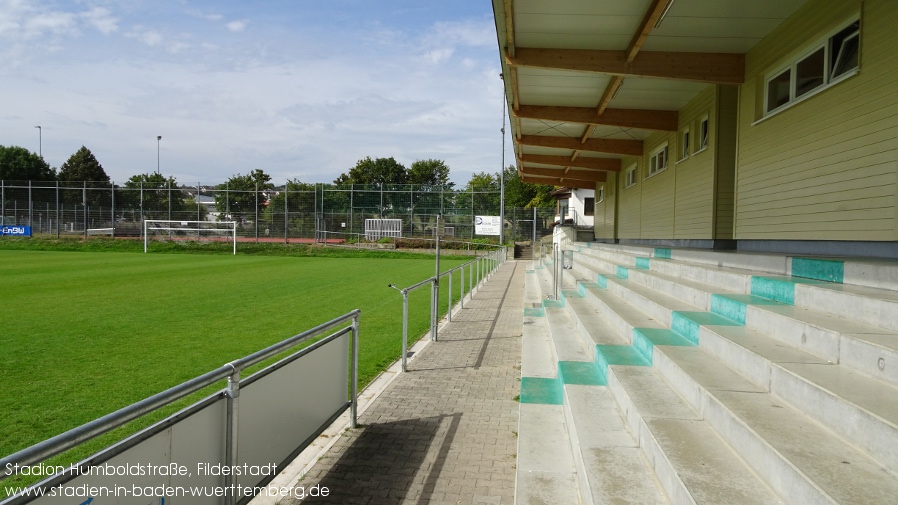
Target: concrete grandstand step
(569,346)
(863,347)
(758,357)
(799,458)
(814,283)
(546,472)
(611,467)
(693,464)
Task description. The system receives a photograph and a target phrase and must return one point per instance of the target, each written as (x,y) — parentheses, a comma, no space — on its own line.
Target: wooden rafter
(611,146)
(605,164)
(556,181)
(712,68)
(577,175)
(659,120)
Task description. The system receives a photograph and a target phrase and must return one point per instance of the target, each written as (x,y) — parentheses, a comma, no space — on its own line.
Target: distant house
(574,206)
(208,203)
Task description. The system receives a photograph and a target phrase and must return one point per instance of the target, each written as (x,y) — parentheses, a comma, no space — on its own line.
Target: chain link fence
(289,212)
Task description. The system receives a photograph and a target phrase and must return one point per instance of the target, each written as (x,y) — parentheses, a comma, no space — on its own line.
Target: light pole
(502,172)
(40,142)
(158,140)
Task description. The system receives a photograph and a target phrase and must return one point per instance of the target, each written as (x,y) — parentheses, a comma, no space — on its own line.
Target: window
(600,196)
(631,177)
(684,144)
(658,161)
(814,70)
(589,206)
(703,134)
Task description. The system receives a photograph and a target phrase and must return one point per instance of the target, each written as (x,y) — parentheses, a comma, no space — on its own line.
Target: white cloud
(236,26)
(149,37)
(101,19)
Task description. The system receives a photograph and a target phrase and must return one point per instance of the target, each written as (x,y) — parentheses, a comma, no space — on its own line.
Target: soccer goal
(161,230)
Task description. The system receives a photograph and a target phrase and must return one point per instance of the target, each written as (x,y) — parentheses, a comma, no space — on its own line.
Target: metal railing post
(404,330)
(354,408)
(434,307)
(449,295)
(461,287)
(233,424)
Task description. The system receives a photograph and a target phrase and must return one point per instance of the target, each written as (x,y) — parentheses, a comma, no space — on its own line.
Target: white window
(820,66)
(658,161)
(703,134)
(600,196)
(631,177)
(684,144)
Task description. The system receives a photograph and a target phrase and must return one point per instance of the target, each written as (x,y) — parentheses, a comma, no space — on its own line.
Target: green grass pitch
(86,333)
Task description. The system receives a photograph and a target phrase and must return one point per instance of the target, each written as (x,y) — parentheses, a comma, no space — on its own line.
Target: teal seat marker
(661,252)
(687,324)
(645,340)
(554,303)
(602,281)
(584,373)
(622,272)
(534,312)
(821,270)
(643,263)
(734,306)
(781,289)
(543,390)
(606,355)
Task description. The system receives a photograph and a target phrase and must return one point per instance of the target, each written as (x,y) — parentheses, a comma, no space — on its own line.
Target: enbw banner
(18,231)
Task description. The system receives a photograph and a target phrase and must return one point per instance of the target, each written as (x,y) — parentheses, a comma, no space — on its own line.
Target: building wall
(629,204)
(695,173)
(824,168)
(679,202)
(605,210)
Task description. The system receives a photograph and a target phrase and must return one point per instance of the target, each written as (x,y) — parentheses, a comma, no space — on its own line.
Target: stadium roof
(587,82)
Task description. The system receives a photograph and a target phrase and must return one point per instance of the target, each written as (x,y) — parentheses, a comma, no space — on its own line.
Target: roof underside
(588,81)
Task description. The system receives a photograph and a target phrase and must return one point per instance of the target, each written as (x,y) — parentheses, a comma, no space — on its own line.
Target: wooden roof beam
(576,175)
(712,68)
(556,181)
(604,164)
(610,146)
(658,120)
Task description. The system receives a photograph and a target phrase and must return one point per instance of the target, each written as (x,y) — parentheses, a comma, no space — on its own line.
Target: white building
(575,206)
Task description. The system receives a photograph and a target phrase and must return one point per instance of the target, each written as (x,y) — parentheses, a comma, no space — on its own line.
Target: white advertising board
(487,225)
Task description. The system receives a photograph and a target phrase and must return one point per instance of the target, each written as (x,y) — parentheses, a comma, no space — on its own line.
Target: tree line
(243,190)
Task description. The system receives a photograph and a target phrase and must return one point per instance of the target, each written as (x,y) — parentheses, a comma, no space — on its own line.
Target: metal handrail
(495,260)
(231,371)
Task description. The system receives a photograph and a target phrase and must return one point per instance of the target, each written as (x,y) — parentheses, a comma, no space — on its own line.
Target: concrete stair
(740,378)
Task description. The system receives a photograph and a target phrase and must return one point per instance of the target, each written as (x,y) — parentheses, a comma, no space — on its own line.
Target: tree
(244,196)
(430,172)
(84,169)
(379,171)
(83,166)
(20,164)
(152,195)
(524,194)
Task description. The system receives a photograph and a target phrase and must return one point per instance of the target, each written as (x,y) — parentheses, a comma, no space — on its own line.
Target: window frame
(659,160)
(831,56)
(586,211)
(600,194)
(628,183)
(703,133)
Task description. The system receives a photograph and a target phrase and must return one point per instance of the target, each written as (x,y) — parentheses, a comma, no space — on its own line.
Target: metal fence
(276,213)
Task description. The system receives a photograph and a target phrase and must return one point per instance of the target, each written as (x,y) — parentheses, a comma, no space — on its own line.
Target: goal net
(160,230)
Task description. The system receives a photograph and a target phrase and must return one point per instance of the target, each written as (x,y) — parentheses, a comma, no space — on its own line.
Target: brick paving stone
(443,433)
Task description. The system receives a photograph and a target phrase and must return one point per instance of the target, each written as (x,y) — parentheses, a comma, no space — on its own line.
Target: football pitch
(86,333)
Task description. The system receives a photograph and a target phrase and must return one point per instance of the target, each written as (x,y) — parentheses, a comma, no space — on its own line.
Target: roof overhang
(587,82)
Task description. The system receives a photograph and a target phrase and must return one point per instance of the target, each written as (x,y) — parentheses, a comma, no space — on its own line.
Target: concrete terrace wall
(824,168)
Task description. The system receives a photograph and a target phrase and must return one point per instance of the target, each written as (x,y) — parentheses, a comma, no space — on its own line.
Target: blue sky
(301,89)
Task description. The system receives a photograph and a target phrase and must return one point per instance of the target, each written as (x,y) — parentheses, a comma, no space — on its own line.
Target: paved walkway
(445,432)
